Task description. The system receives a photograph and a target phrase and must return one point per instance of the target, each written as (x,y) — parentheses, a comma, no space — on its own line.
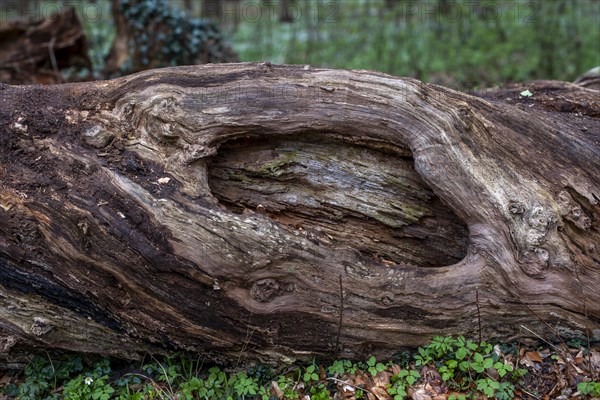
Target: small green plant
(337,368)
(288,386)
(310,373)
(487,386)
(401,381)
(42,376)
(91,385)
(589,388)
(506,391)
(423,357)
(191,387)
(129,387)
(464,348)
(502,368)
(441,346)
(519,373)
(319,392)
(340,367)
(469,370)
(577,343)
(215,385)
(447,370)
(374,367)
(264,393)
(468,366)
(86,387)
(479,364)
(398,392)
(244,386)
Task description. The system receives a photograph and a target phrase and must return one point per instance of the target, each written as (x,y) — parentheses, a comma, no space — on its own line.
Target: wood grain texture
(214,208)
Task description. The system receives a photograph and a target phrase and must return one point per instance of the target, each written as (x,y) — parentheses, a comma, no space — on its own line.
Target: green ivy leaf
(488,363)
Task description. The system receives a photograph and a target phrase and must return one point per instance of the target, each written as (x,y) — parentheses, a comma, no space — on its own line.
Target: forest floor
(446,368)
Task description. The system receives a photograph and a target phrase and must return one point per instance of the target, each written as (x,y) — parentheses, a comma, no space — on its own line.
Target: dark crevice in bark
(340,192)
(36,283)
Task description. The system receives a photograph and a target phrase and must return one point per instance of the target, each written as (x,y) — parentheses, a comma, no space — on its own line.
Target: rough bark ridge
(217,209)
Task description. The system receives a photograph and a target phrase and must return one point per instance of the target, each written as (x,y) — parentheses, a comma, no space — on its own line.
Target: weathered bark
(286,186)
(591,79)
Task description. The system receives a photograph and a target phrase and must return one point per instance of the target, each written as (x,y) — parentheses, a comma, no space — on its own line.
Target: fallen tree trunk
(280,211)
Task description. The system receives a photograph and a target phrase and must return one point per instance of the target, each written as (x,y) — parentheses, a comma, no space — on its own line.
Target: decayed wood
(216,209)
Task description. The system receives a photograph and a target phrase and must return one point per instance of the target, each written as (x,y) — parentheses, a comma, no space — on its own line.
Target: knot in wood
(7,343)
(98,137)
(540,218)
(40,326)
(516,207)
(536,262)
(542,255)
(572,211)
(579,218)
(387,300)
(84,227)
(539,221)
(264,290)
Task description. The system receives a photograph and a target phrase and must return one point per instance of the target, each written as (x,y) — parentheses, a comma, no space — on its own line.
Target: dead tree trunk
(281,211)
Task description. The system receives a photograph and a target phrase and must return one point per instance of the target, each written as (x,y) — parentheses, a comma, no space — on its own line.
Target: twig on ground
(530,394)
(547,325)
(351,385)
(541,338)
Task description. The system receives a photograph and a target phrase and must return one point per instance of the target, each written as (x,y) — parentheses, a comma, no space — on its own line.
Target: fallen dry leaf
(380,393)
(346,389)
(533,356)
(361,379)
(381,379)
(420,395)
(421,392)
(579,357)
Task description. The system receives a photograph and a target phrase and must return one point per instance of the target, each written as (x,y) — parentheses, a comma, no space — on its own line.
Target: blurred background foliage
(458,43)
